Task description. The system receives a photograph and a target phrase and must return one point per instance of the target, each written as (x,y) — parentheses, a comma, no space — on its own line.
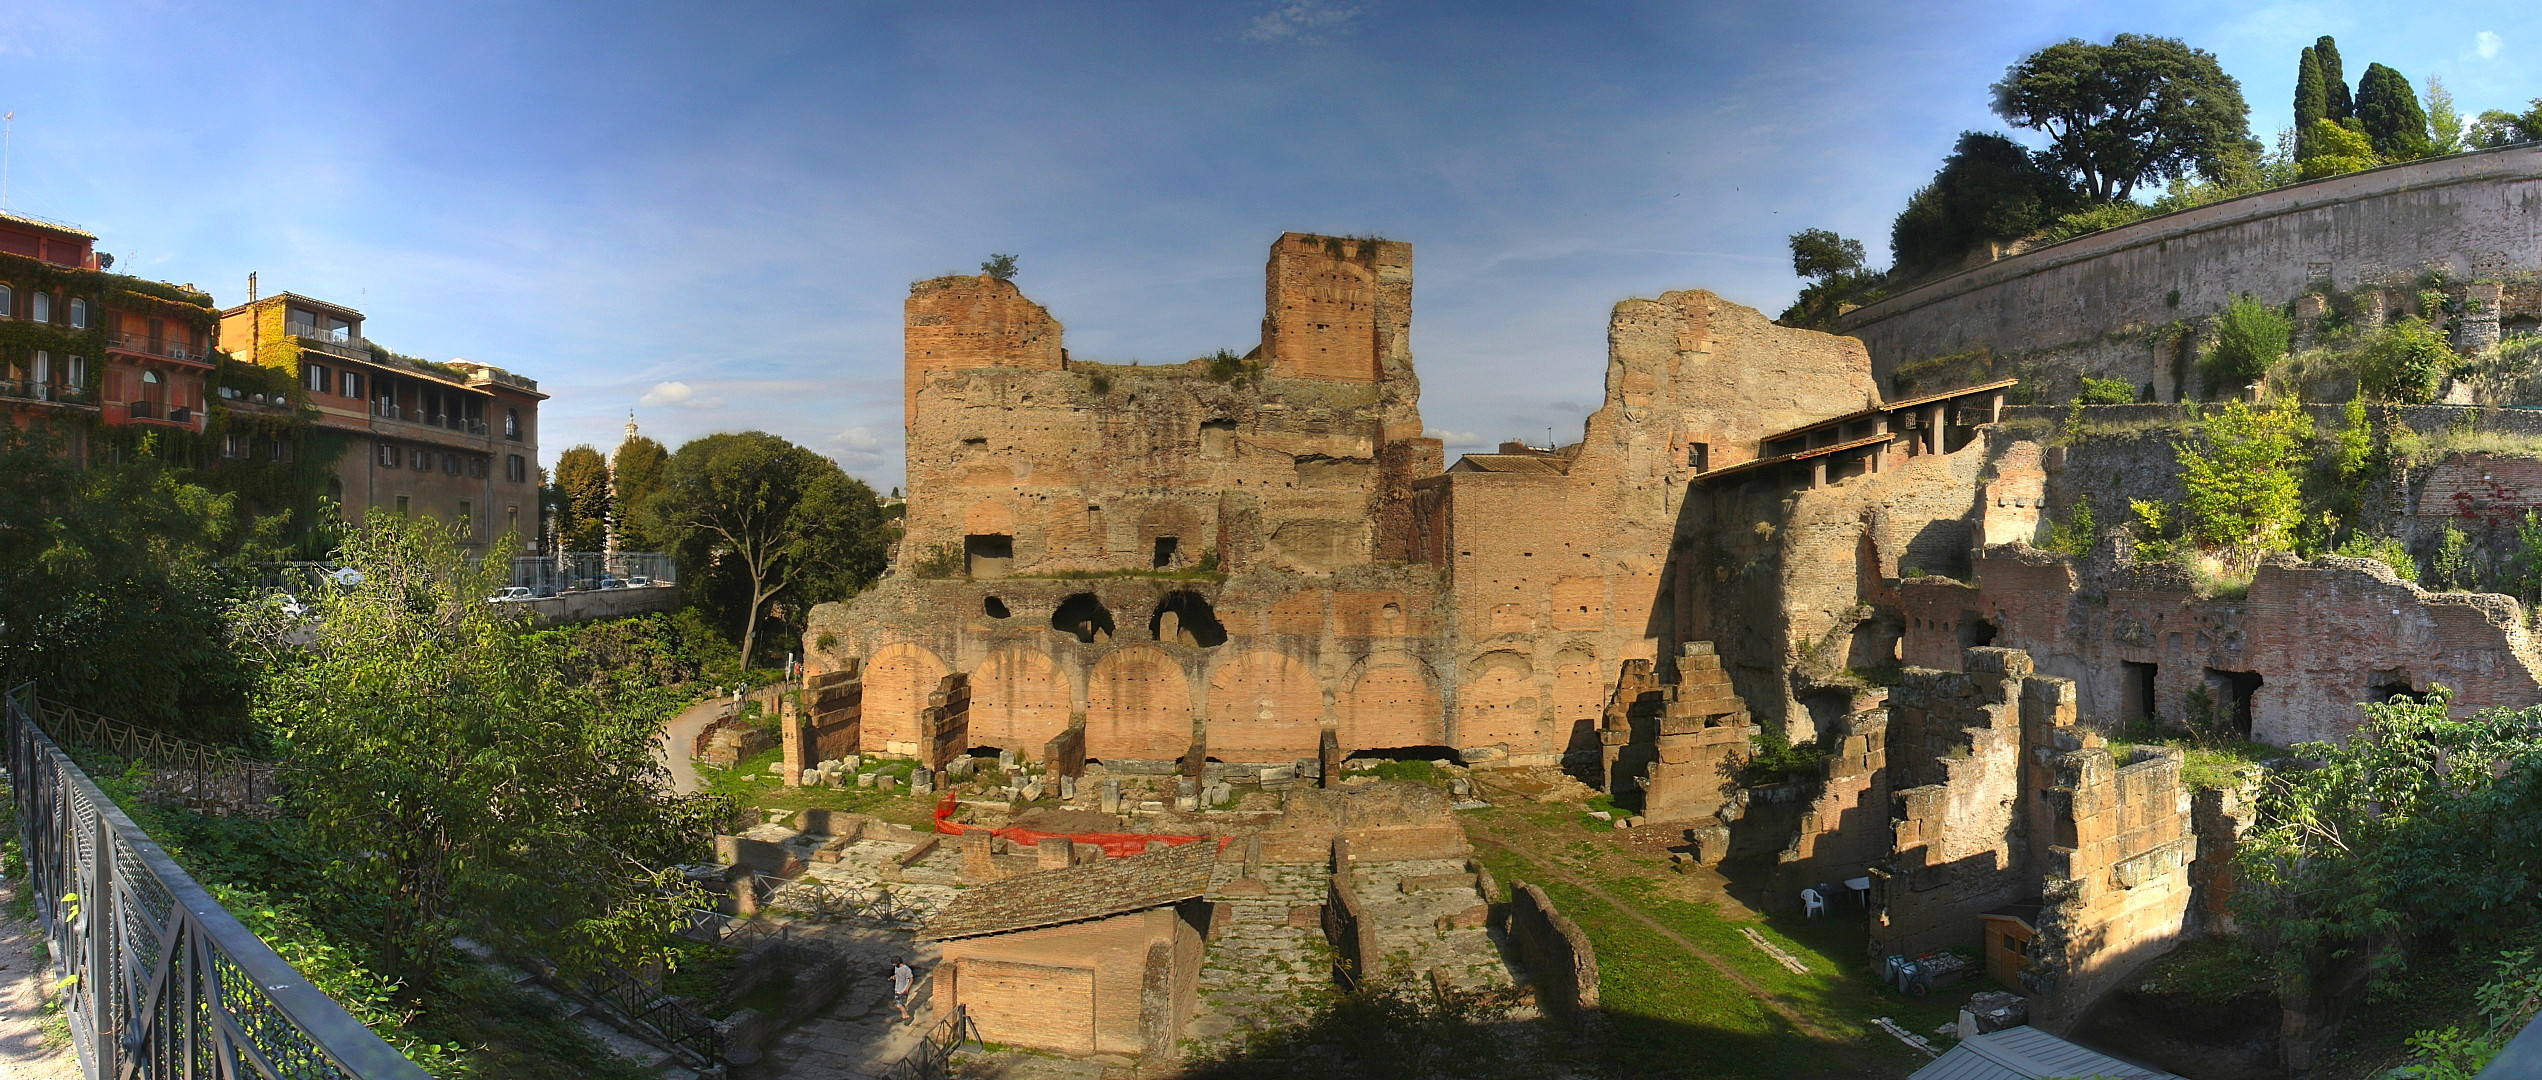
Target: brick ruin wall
(2094,304)
(2318,637)
(1353,587)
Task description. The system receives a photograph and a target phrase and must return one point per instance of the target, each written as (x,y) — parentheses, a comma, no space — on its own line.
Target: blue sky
(710,213)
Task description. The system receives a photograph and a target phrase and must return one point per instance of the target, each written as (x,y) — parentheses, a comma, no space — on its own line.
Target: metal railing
(642,1002)
(833,902)
(150,346)
(586,569)
(55,392)
(214,779)
(932,1058)
(159,981)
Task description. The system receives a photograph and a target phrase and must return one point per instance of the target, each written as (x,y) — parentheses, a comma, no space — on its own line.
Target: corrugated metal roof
(2027,1053)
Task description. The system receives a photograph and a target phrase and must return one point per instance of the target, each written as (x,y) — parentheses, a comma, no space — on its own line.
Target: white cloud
(677,395)
(2486,44)
(855,438)
(1454,438)
(1306,22)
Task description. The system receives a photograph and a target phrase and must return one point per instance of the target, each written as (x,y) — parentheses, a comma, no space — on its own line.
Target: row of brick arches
(1263,705)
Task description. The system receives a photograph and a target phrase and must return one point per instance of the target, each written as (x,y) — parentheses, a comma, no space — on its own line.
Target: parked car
(612,583)
(639,581)
(509,594)
(291,605)
(542,592)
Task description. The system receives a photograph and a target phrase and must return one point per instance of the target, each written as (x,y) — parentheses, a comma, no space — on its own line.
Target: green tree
(1001,267)
(2498,127)
(639,471)
(756,520)
(2249,337)
(2312,97)
(2451,568)
(2389,109)
(109,596)
(1819,254)
(2334,80)
(2421,821)
(2244,494)
(2331,148)
(1989,190)
(2444,125)
(455,780)
(2137,110)
(2405,362)
(582,499)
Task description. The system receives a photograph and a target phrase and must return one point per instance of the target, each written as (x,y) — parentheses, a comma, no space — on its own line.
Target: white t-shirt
(901,977)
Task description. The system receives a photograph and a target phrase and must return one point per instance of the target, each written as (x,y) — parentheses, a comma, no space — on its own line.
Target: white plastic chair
(1812,904)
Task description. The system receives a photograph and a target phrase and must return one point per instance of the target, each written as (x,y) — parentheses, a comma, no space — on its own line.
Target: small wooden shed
(1102,958)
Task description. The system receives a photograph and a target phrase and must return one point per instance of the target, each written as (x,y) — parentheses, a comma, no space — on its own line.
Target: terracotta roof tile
(1077,893)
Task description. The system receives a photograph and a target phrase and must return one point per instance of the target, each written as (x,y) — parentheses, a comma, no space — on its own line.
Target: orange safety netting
(1116,845)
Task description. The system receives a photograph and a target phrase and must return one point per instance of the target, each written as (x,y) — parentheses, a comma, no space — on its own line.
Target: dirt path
(23,1052)
(680,735)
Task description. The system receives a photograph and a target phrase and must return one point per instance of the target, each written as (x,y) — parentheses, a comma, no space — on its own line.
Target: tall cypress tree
(2389,109)
(2334,80)
(2312,101)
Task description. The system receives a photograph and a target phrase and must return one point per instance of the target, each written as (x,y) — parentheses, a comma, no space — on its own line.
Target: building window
(349,384)
(75,375)
(419,461)
(515,469)
(466,527)
(79,313)
(450,464)
(512,424)
(401,506)
(280,450)
(233,446)
(316,377)
(8,303)
(476,467)
(41,307)
(43,388)
(388,455)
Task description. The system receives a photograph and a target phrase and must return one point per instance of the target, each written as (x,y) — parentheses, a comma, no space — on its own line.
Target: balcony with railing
(48,393)
(145,345)
(344,343)
(159,412)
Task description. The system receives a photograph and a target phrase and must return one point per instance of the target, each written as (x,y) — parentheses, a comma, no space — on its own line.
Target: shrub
(2385,550)
(2107,392)
(2250,336)
(2404,362)
(2243,495)
(2331,148)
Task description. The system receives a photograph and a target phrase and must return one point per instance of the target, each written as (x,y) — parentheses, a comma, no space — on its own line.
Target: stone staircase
(1268,953)
(1429,913)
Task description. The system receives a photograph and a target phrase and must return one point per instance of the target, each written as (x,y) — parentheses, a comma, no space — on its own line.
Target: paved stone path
(679,735)
(1407,922)
(1252,975)
(23,1054)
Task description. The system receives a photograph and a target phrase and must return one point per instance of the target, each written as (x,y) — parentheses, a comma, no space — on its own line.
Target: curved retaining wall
(2478,215)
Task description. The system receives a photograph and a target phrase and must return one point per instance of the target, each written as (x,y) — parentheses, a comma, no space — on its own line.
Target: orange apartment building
(79,343)
(457,442)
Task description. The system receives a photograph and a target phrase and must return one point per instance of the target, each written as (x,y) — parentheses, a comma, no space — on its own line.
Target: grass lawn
(1669,1012)
(755,787)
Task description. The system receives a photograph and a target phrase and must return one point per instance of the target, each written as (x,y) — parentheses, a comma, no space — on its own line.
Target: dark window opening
(1083,616)
(2385,692)
(1216,437)
(988,555)
(994,608)
(2233,691)
(1185,617)
(1700,456)
(1975,632)
(1164,557)
(2136,691)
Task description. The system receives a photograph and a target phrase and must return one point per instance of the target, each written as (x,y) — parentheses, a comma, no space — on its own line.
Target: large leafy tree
(109,596)
(582,499)
(2498,127)
(2421,821)
(757,520)
(1989,190)
(639,469)
(2135,111)
(456,777)
(1819,254)
(2388,109)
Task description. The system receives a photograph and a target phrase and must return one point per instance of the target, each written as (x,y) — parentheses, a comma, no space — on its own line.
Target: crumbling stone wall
(2318,637)
(2115,882)
(823,720)
(1558,956)
(1955,765)
(1699,742)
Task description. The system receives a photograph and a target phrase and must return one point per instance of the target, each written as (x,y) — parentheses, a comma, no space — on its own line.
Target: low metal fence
(159,981)
(641,1001)
(932,1058)
(216,780)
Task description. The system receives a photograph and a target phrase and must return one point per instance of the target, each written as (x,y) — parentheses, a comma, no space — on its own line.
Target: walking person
(902,978)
